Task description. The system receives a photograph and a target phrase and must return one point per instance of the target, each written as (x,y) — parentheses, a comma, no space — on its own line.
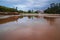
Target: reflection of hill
(20,17)
(8,19)
(50,19)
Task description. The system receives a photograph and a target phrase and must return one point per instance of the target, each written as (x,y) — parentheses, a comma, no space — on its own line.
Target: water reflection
(21,17)
(37,16)
(10,19)
(51,20)
(30,28)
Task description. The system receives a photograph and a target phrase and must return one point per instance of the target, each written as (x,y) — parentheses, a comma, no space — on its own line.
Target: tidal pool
(30,28)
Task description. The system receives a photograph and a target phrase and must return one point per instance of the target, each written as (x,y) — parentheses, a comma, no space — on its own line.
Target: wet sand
(33,29)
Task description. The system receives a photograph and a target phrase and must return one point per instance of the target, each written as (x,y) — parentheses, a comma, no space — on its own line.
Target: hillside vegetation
(7,9)
(53,9)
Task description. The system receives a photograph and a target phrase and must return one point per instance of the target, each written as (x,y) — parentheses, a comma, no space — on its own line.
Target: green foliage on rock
(7,9)
(53,9)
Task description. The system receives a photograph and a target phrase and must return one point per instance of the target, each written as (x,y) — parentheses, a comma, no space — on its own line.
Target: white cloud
(28,4)
(11,0)
(32,3)
(21,7)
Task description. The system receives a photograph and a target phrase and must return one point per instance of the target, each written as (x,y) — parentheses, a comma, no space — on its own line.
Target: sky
(28,4)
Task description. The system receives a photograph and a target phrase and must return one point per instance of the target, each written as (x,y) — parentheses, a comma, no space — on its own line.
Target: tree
(20,11)
(52,5)
(36,11)
(54,9)
(7,9)
(29,11)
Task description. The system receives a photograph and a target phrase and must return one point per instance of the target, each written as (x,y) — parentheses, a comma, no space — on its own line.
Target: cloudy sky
(28,4)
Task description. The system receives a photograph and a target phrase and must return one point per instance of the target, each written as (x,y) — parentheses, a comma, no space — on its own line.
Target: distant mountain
(7,9)
(53,9)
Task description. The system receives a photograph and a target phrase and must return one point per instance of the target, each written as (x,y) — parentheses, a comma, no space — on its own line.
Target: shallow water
(30,28)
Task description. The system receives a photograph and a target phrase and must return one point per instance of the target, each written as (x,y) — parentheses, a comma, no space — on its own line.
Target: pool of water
(30,28)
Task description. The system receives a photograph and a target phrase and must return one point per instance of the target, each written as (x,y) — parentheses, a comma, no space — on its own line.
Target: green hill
(7,9)
(53,9)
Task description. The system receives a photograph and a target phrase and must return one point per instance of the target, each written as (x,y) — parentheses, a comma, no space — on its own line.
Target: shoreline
(40,15)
